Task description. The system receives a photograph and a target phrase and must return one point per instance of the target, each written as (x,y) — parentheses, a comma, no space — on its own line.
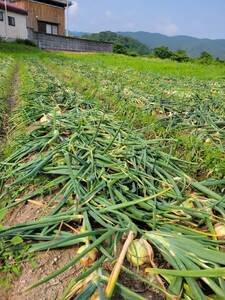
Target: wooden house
(45,16)
(44,25)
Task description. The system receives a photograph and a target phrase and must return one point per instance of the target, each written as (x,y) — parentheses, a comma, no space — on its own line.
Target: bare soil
(45,262)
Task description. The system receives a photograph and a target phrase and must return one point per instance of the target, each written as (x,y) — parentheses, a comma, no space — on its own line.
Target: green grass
(17,49)
(152,65)
(142,64)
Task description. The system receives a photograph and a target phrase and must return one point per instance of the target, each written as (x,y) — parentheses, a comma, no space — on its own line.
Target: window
(47,28)
(1,16)
(11,21)
(54,29)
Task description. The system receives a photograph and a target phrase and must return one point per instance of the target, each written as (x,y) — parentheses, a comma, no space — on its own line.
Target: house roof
(12,8)
(60,3)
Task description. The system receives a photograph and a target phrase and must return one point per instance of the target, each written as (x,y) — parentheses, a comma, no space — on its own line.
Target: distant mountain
(194,46)
(130,44)
(77,33)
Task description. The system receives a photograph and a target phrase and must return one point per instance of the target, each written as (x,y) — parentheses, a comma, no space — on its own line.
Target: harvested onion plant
(175,103)
(123,199)
(188,111)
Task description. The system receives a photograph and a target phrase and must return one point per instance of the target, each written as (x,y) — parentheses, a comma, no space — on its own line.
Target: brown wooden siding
(43,12)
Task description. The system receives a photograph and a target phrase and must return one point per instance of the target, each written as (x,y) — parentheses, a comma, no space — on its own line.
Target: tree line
(165,53)
(132,47)
(182,56)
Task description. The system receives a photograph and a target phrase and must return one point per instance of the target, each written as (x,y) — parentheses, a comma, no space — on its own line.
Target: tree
(206,57)
(181,56)
(120,49)
(163,52)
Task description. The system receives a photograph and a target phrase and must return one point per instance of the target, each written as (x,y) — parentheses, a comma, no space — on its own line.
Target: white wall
(20,29)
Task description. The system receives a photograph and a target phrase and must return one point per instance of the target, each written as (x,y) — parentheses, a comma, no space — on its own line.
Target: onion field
(115,173)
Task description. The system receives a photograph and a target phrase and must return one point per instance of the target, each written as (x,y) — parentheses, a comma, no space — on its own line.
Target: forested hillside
(129,44)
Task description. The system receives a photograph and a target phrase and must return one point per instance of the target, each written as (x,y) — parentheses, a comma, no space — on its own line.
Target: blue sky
(200,18)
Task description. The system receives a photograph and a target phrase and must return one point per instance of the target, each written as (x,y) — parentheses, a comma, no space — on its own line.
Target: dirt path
(12,99)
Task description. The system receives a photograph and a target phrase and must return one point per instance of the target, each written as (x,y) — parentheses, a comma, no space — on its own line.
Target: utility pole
(68,4)
(6,21)
(67,17)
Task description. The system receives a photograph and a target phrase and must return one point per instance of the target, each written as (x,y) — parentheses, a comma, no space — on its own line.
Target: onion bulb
(188,203)
(220,231)
(48,117)
(137,254)
(59,160)
(58,111)
(44,119)
(89,258)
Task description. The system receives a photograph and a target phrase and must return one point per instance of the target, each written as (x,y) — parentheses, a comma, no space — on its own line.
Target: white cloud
(72,15)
